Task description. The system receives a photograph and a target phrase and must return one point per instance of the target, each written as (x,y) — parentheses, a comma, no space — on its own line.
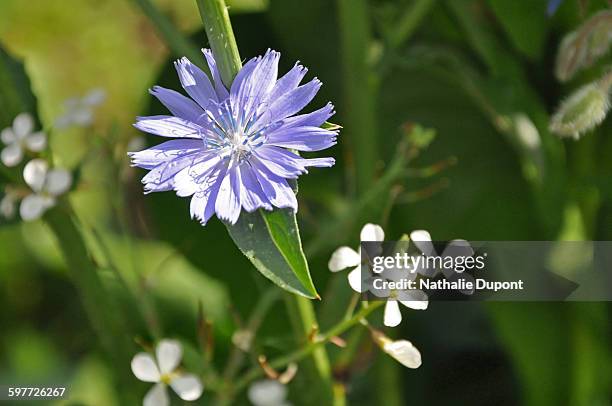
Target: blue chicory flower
(553,6)
(231,147)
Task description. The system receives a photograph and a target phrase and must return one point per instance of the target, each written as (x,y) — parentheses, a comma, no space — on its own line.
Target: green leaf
(15,97)
(525,23)
(247,6)
(15,92)
(271,241)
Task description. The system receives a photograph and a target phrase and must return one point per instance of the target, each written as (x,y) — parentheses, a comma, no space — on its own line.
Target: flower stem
(237,355)
(225,50)
(221,38)
(359,90)
(104,316)
(305,322)
(345,221)
(410,21)
(309,348)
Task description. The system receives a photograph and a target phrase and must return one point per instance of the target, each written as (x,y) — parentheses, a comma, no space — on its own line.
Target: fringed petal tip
(332,110)
(256,88)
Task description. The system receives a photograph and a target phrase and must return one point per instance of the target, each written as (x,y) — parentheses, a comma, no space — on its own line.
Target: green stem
(136,290)
(305,323)
(359,90)
(349,216)
(84,274)
(237,356)
(409,21)
(221,38)
(388,382)
(177,43)
(309,348)
(339,394)
(100,309)
(225,50)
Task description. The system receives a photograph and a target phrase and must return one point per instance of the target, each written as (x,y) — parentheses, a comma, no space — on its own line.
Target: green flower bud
(582,111)
(583,47)
(570,58)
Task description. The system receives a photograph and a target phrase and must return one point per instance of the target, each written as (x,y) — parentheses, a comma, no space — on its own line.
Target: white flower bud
(401,350)
(404,352)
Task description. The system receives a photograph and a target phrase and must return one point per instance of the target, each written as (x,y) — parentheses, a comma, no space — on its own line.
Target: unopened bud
(570,58)
(582,111)
(583,47)
(401,350)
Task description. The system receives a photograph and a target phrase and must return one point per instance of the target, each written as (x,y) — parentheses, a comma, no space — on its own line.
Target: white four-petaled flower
(163,371)
(346,257)
(79,110)
(412,299)
(455,248)
(46,186)
(268,392)
(20,137)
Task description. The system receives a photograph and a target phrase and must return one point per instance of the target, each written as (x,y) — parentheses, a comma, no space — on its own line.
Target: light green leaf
(330,126)
(247,6)
(271,241)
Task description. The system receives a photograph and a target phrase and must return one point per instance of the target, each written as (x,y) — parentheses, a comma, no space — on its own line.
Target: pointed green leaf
(331,126)
(271,241)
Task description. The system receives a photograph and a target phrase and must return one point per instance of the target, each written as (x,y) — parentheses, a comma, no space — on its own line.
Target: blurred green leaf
(92,385)
(15,97)
(166,273)
(525,23)
(15,91)
(534,352)
(248,6)
(33,355)
(271,241)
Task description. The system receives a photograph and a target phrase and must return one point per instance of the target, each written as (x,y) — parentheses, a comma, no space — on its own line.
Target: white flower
(412,299)
(455,248)
(46,184)
(162,370)
(20,137)
(79,110)
(7,204)
(268,393)
(346,257)
(402,350)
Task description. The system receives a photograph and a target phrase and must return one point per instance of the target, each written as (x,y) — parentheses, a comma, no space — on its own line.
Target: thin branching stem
(307,349)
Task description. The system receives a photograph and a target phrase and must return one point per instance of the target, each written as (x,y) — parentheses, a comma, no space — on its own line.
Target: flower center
(231,134)
(240,146)
(167,378)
